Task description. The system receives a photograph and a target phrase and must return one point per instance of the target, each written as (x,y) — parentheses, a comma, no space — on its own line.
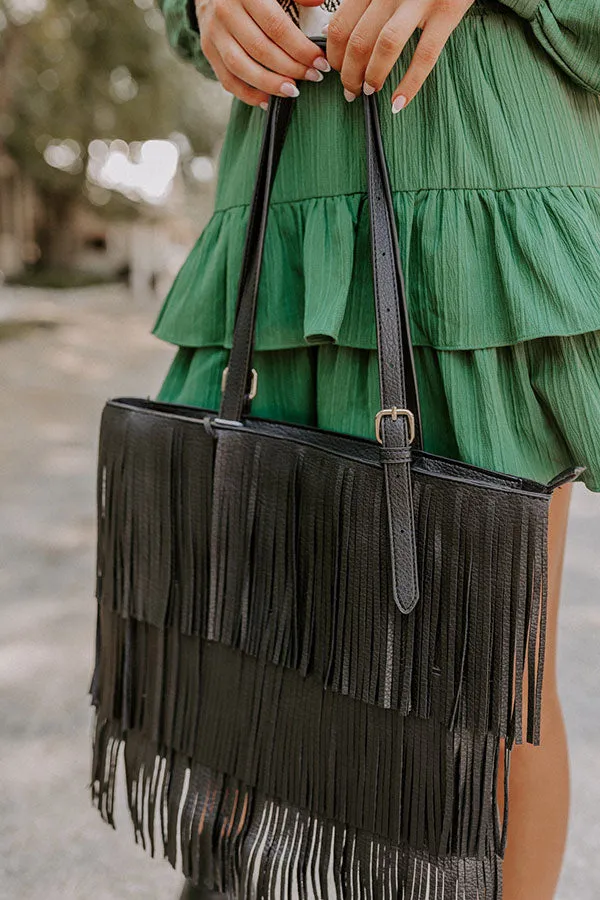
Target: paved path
(87,346)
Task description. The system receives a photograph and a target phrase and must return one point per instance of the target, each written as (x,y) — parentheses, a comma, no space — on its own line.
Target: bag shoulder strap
(398,422)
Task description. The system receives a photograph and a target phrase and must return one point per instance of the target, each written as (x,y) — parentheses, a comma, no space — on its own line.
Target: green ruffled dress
(495,171)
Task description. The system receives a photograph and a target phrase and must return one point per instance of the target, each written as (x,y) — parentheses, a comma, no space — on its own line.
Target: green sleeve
(184,34)
(569,30)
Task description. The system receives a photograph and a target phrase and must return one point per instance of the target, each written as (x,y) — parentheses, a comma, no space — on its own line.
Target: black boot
(199,892)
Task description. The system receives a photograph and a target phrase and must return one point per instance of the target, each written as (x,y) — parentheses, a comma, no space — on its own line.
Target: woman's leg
(539,776)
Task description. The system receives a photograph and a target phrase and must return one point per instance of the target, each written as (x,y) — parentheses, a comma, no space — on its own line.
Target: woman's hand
(366,37)
(256,49)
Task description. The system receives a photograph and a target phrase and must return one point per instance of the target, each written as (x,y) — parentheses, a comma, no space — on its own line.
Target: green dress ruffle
(495,172)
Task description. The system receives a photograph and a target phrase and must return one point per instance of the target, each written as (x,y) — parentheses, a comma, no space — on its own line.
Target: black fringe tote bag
(313,647)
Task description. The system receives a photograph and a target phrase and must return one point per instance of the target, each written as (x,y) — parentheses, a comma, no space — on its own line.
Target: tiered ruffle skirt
(495,172)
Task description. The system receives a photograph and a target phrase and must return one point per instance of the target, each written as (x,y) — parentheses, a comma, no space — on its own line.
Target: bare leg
(539,776)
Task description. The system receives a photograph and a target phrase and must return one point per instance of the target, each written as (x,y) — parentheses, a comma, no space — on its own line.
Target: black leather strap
(397,377)
(397,381)
(234,401)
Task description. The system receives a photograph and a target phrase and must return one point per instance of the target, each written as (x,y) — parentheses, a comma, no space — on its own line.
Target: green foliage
(76,70)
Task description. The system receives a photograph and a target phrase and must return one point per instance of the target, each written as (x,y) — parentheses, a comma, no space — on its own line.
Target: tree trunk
(57,237)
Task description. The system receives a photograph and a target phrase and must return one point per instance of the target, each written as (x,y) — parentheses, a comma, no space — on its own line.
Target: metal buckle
(394,412)
(253,383)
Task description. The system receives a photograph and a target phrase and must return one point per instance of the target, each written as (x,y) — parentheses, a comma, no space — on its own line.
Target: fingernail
(349,96)
(289,89)
(313,75)
(368,88)
(264,105)
(321,64)
(324,28)
(398,103)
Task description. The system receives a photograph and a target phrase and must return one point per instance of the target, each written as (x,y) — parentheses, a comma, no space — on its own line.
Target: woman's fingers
(361,45)
(366,37)
(256,44)
(390,43)
(259,46)
(278,26)
(340,27)
(431,43)
(235,85)
(242,66)
(256,50)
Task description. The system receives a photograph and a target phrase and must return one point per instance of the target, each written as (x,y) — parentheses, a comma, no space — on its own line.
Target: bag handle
(398,422)
(392,322)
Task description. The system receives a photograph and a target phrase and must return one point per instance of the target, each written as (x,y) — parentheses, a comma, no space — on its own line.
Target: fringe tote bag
(313,648)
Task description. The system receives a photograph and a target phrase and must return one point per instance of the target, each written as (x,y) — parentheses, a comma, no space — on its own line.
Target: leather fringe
(233,839)
(287,731)
(403,777)
(298,760)
(165,586)
(261,560)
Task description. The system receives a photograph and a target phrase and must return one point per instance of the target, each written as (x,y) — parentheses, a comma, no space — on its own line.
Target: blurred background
(107,145)
(108,153)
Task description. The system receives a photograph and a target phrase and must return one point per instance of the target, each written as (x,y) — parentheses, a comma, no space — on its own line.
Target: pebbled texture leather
(396,368)
(397,377)
(360,449)
(234,402)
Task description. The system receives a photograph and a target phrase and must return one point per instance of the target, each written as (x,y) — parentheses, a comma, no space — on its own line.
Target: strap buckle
(394,412)
(253,383)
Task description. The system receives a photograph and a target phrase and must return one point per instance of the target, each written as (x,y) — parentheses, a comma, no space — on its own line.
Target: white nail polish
(398,103)
(321,63)
(313,75)
(368,89)
(349,96)
(289,89)
(264,105)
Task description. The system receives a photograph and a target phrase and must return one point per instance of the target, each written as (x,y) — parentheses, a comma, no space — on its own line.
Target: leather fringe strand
(299,760)
(235,840)
(258,555)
